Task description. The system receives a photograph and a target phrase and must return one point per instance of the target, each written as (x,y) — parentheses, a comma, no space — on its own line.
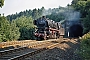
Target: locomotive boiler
(47,28)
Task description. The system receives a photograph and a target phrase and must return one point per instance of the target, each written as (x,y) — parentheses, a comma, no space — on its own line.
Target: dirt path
(67,50)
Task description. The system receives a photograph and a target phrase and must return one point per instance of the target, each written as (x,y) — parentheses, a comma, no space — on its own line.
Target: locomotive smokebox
(76,30)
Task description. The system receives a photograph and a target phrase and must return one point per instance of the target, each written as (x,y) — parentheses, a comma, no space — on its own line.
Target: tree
(83,6)
(35,14)
(26,27)
(1,3)
(8,31)
(4,29)
(14,33)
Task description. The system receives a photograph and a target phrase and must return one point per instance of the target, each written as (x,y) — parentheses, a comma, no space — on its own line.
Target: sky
(13,6)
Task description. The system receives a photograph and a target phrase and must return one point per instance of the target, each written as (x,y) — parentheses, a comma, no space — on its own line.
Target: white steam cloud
(69,13)
(72,15)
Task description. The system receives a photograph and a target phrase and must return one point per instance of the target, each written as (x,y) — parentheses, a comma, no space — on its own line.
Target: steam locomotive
(47,28)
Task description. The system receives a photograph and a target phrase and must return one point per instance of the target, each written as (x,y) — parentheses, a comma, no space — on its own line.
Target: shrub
(85,47)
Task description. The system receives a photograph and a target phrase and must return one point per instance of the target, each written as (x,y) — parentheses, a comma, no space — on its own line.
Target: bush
(85,47)
(8,30)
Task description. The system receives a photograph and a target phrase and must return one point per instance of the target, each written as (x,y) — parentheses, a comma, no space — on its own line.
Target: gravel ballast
(66,50)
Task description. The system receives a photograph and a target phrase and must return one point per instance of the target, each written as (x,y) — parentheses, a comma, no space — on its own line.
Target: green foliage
(85,47)
(87,18)
(84,7)
(21,28)
(86,24)
(24,20)
(26,27)
(55,14)
(35,13)
(7,31)
(4,28)
(1,3)
(56,17)
(14,31)
(80,6)
(26,34)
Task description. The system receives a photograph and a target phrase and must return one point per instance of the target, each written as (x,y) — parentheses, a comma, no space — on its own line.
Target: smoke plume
(72,15)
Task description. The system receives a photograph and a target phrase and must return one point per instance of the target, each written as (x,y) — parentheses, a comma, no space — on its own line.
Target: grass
(85,47)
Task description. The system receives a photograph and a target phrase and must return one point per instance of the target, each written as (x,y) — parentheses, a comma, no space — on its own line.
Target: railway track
(27,50)
(66,50)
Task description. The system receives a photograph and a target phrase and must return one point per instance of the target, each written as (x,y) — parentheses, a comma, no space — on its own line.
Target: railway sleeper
(11,50)
(27,54)
(31,53)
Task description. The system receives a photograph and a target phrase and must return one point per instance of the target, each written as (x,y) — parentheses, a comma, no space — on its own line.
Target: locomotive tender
(47,28)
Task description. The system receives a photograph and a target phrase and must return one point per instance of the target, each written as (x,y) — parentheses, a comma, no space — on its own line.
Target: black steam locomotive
(47,28)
